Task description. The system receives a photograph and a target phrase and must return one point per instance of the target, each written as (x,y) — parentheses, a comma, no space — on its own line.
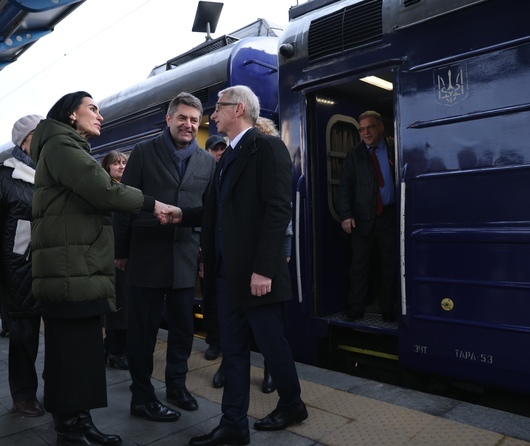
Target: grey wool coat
(163,256)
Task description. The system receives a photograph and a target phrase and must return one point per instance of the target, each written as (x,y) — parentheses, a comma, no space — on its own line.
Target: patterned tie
(380,183)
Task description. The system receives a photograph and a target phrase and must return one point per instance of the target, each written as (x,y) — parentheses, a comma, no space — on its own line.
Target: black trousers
(115,342)
(23,349)
(211,320)
(266,323)
(382,237)
(74,367)
(145,314)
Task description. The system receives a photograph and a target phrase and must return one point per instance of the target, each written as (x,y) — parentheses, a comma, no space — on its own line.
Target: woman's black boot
(69,430)
(268,384)
(79,430)
(92,432)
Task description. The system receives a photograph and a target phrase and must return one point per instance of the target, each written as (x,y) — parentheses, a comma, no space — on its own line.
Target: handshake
(167,214)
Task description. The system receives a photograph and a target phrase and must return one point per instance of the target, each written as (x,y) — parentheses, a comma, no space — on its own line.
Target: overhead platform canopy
(23,22)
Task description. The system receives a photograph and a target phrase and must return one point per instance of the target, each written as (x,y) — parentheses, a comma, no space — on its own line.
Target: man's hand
(121,264)
(260,285)
(167,213)
(347,225)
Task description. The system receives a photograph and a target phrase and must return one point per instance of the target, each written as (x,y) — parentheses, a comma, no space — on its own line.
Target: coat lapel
(192,163)
(246,148)
(165,157)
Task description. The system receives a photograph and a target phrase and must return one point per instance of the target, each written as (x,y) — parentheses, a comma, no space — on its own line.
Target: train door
(334,131)
(332,114)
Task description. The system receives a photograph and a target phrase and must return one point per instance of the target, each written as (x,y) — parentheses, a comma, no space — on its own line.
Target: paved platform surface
(343,410)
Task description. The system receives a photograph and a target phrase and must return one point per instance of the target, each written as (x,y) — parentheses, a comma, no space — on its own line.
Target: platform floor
(343,410)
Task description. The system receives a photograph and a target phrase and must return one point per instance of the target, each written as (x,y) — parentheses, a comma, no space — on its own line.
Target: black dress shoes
(221,435)
(280,419)
(219,378)
(212,352)
(154,411)
(267,386)
(183,398)
(119,362)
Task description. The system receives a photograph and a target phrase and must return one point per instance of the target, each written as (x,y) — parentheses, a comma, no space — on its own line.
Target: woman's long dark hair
(65,106)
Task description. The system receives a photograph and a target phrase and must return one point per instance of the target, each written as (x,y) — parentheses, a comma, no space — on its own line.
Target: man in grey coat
(162,261)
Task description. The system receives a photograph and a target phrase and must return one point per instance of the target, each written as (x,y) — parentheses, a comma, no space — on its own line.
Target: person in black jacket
(367,212)
(16,193)
(243,232)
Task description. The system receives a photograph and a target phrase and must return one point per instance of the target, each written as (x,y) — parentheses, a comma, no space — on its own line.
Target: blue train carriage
(247,56)
(459,110)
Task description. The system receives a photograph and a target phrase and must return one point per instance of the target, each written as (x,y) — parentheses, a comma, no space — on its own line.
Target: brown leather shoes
(28,408)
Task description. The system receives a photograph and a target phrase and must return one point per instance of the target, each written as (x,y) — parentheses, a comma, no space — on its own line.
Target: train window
(341,136)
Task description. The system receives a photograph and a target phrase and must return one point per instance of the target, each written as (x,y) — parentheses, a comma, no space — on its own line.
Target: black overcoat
(256,212)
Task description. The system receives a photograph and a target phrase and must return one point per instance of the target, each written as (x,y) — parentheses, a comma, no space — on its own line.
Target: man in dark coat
(243,236)
(17,177)
(367,210)
(163,262)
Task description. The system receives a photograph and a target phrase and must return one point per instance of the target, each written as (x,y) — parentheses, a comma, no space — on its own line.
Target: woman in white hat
(17,175)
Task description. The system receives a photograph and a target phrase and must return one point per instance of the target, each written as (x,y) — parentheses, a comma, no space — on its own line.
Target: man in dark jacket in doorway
(367,209)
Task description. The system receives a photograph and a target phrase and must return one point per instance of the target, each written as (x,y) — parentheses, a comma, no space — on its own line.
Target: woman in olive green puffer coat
(73,262)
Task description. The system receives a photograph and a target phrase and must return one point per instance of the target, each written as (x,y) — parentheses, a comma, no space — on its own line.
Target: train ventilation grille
(201,94)
(201,50)
(348,29)
(410,2)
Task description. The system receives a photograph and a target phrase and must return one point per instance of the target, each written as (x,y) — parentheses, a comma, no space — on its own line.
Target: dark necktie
(225,161)
(380,183)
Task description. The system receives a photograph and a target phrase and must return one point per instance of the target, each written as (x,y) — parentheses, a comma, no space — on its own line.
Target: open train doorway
(333,130)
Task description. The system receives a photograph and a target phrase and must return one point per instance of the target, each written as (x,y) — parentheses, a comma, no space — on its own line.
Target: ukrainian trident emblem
(450,84)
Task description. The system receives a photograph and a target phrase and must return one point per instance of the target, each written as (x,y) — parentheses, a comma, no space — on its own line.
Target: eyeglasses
(222,104)
(368,128)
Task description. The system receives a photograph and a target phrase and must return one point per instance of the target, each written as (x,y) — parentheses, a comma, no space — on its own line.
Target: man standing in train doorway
(367,211)
(162,261)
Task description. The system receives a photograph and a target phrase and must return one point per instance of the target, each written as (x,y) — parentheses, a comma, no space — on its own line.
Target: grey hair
(243,94)
(371,114)
(186,99)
